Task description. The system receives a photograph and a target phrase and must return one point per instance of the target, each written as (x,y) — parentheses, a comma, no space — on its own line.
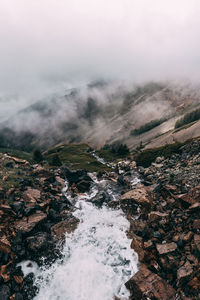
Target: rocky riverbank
(163,211)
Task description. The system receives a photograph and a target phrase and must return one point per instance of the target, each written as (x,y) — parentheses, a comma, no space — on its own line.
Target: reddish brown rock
(136,245)
(31,195)
(157,216)
(28,224)
(197,242)
(5,245)
(141,196)
(194,207)
(145,285)
(166,248)
(184,272)
(196,224)
(67,226)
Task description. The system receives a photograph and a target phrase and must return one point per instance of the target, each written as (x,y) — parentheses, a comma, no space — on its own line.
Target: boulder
(136,245)
(31,195)
(67,226)
(83,186)
(76,176)
(184,272)
(28,224)
(5,245)
(166,248)
(145,285)
(140,196)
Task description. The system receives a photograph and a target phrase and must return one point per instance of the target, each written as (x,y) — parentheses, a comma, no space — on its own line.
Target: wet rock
(184,272)
(67,226)
(166,248)
(101,198)
(26,225)
(145,285)
(137,246)
(4,292)
(83,186)
(76,176)
(140,196)
(38,242)
(137,227)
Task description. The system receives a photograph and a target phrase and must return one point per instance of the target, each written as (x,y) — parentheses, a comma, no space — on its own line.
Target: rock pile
(34,216)
(167,233)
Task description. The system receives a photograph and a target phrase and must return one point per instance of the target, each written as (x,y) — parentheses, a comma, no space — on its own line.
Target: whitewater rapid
(97,258)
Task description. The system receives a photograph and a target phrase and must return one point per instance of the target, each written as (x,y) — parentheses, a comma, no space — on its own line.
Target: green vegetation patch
(114,152)
(188,118)
(148,126)
(146,157)
(18,154)
(75,157)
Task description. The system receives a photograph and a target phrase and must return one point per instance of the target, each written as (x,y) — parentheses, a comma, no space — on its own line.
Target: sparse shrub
(37,156)
(119,149)
(188,118)
(146,157)
(148,126)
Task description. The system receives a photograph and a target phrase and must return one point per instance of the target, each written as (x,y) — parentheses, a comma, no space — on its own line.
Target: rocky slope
(163,211)
(104,113)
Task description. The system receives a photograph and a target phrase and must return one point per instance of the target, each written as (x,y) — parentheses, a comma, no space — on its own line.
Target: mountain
(103,113)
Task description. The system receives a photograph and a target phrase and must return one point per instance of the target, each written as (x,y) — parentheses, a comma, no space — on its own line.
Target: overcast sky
(45,42)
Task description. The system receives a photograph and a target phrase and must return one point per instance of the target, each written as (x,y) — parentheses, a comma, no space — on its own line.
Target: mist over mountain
(101,112)
(53,52)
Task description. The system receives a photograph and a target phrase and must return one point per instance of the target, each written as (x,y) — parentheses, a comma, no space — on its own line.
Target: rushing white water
(97,258)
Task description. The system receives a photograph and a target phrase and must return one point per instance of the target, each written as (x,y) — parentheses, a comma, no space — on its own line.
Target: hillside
(104,112)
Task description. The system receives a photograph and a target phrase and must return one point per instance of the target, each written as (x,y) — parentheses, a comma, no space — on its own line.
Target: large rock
(137,246)
(145,285)
(31,195)
(5,245)
(38,242)
(166,248)
(67,226)
(28,224)
(76,176)
(140,196)
(157,216)
(184,272)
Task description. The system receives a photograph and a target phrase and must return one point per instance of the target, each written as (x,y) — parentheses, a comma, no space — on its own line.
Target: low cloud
(48,43)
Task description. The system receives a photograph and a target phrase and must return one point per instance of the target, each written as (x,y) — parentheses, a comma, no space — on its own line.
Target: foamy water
(97,258)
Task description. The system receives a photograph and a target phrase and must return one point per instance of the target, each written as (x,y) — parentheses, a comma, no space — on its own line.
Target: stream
(96,258)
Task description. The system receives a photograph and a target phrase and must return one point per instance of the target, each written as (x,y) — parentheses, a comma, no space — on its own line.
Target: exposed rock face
(145,285)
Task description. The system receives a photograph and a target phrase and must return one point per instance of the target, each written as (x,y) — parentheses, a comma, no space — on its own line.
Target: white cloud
(56,40)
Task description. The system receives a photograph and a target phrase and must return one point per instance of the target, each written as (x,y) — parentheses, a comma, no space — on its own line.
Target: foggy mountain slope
(99,113)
